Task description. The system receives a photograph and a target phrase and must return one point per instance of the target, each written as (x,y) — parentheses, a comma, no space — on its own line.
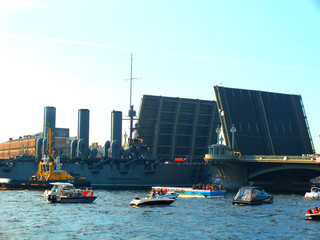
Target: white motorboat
(314,194)
(66,193)
(151,201)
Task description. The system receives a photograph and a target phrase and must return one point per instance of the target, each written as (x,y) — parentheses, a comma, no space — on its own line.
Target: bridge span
(278,173)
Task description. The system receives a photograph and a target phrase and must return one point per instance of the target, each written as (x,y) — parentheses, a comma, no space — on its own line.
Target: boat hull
(312,196)
(205,193)
(64,199)
(314,216)
(153,202)
(268,200)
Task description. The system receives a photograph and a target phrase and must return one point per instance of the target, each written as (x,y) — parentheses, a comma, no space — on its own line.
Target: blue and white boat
(205,193)
(196,193)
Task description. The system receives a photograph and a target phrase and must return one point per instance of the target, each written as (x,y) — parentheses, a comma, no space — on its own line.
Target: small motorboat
(313,214)
(252,196)
(66,193)
(151,201)
(314,194)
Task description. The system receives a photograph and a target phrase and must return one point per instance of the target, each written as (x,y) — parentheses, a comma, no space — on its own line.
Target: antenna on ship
(132,112)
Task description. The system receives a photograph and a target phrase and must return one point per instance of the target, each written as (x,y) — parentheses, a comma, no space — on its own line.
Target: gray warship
(164,160)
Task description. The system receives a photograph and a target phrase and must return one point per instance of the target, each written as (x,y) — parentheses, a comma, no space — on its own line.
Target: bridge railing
(281,158)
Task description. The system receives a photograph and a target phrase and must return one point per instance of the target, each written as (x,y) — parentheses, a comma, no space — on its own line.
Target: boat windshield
(315,189)
(62,187)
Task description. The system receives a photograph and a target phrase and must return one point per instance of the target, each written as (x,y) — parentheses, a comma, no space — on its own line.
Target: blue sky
(76,54)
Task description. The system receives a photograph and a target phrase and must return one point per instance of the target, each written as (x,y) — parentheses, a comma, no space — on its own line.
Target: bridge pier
(233,175)
(224,164)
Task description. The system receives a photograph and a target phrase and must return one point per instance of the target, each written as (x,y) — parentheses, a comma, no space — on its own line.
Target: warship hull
(117,176)
(16,184)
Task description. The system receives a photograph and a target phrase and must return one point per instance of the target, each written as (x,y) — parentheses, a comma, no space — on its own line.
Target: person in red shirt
(309,211)
(90,194)
(84,193)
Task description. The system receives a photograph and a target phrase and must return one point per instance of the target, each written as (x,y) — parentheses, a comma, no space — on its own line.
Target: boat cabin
(62,188)
(252,195)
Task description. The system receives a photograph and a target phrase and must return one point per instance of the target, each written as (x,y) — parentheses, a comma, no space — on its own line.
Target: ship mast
(132,113)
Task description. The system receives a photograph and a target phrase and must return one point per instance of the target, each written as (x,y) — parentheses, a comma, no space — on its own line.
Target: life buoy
(54,198)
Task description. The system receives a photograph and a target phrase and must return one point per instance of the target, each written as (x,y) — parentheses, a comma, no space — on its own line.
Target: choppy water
(26,215)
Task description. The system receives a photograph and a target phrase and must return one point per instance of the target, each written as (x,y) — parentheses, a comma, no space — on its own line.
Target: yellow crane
(49,168)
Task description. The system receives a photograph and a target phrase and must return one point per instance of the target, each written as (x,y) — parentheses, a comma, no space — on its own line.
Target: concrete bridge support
(233,175)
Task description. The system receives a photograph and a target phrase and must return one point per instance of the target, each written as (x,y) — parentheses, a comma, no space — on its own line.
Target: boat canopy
(250,193)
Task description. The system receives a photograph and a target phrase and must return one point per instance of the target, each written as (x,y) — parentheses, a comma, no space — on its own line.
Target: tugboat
(252,196)
(49,171)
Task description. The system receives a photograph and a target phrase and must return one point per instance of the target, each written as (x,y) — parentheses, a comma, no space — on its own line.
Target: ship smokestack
(83,132)
(49,121)
(116,131)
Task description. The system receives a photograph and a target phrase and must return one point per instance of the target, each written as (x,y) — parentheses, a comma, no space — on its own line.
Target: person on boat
(85,193)
(316,210)
(54,189)
(78,194)
(90,194)
(152,194)
(309,211)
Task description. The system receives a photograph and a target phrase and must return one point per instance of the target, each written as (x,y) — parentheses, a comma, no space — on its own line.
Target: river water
(26,215)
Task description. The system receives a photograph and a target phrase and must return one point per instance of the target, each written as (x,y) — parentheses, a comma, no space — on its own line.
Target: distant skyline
(76,54)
